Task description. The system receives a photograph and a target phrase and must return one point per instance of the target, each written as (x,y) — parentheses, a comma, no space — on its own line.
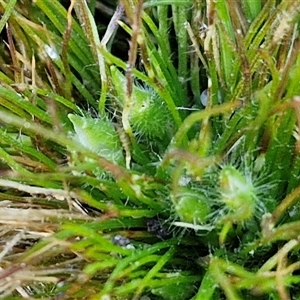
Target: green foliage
(192,207)
(148,112)
(98,136)
(117,182)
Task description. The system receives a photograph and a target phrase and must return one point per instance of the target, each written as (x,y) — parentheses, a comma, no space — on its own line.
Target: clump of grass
(118,182)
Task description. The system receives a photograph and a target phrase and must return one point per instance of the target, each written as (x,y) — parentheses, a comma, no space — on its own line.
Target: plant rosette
(192,206)
(149,115)
(238,197)
(99,136)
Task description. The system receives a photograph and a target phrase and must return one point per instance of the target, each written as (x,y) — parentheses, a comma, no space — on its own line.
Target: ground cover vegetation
(149,149)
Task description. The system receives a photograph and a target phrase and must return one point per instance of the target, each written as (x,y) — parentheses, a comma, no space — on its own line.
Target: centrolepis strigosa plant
(99,136)
(149,115)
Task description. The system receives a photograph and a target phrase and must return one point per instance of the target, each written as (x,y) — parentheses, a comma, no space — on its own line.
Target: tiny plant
(238,196)
(149,149)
